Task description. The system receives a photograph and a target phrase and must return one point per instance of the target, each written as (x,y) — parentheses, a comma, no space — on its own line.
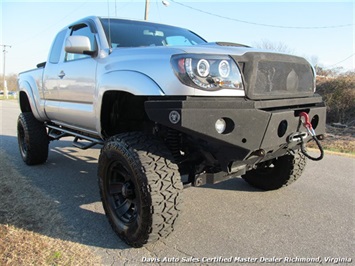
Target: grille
(270,76)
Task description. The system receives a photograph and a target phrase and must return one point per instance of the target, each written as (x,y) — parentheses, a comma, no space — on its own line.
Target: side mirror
(78,45)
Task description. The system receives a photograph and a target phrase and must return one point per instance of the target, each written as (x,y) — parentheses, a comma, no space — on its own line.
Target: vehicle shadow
(69,178)
(235,184)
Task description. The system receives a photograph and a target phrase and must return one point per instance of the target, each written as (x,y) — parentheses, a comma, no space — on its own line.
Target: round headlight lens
(220,125)
(203,68)
(224,68)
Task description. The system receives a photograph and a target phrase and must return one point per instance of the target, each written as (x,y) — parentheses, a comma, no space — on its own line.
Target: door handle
(61,74)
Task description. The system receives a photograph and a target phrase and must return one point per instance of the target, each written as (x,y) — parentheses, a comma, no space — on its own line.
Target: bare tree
(11,82)
(314,60)
(277,47)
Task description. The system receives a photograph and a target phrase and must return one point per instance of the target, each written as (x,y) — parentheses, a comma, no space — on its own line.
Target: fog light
(220,125)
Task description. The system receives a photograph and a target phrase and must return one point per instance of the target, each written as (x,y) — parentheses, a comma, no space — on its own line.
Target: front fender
(133,82)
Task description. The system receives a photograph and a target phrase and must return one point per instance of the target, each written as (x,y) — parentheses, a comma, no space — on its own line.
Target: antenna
(109,25)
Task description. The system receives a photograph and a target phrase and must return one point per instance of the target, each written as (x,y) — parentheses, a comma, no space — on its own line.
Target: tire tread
(36,139)
(289,168)
(162,186)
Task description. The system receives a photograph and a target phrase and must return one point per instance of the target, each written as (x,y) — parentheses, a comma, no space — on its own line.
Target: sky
(321,31)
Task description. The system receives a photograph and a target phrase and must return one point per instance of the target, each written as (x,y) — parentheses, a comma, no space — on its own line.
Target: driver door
(76,85)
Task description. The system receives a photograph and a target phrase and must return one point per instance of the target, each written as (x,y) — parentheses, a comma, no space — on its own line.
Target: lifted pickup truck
(169,108)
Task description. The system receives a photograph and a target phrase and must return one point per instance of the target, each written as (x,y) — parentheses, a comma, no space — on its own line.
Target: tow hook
(304,118)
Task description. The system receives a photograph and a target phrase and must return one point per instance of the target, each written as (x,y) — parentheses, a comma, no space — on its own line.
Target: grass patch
(32,231)
(346,147)
(23,247)
(2,97)
(340,150)
(338,140)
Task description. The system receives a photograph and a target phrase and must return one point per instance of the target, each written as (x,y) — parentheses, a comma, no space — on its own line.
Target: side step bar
(83,146)
(56,133)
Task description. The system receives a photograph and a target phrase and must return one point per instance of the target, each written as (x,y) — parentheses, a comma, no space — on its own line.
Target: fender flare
(26,86)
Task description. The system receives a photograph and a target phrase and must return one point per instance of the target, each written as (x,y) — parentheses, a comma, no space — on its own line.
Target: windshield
(125,33)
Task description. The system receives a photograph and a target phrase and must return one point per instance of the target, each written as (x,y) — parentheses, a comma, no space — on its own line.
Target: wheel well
(122,112)
(24,103)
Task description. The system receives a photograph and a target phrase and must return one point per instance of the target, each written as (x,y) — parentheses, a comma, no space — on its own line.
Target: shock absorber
(173,141)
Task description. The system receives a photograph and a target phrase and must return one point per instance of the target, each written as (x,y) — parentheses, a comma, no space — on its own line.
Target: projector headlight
(203,68)
(209,72)
(224,69)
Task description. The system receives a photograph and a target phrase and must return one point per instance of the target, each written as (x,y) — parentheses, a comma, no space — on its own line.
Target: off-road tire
(140,187)
(282,172)
(32,139)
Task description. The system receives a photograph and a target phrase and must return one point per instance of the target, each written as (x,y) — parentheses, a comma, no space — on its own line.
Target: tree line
(338,92)
(11,81)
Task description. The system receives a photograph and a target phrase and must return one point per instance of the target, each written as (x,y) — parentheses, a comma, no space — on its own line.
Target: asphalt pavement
(308,223)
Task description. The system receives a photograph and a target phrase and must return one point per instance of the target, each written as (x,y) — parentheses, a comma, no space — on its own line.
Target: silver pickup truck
(169,108)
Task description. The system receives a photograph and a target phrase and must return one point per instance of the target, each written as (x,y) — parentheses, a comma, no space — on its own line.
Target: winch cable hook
(307,124)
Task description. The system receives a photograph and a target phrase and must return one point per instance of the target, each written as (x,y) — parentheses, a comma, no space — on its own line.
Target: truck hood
(218,48)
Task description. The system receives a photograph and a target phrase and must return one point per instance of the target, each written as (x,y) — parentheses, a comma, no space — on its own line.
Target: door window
(57,47)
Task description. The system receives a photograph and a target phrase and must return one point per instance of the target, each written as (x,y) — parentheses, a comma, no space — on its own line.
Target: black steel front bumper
(254,127)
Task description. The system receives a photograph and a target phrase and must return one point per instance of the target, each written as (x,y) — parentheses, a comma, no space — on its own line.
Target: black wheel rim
(22,141)
(121,194)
